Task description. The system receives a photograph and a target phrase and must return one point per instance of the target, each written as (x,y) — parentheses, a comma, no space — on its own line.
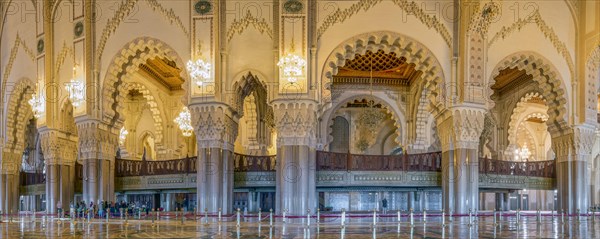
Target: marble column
(98,145)
(9,180)
(573,153)
(459,133)
(216,130)
(295,179)
(60,152)
(296,156)
(52,188)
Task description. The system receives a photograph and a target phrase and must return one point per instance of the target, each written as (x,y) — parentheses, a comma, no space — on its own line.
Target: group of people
(83,210)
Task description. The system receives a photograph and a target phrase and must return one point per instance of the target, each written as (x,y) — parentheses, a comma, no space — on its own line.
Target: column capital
(461,127)
(216,125)
(295,121)
(58,147)
(574,144)
(97,140)
(10,163)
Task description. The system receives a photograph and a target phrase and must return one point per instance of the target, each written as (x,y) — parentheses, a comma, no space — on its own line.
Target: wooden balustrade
(427,162)
(27,179)
(248,163)
(544,169)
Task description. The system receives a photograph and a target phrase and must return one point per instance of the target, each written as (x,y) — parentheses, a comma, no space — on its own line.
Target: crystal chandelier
(199,71)
(292,65)
(123,135)
(76,90)
(522,153)
(370,118)
(184,120)
(38,105)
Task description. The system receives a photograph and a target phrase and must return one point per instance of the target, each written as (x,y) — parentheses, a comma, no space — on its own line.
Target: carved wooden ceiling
(537,100)
(510,77)
(362,104)
(388,69)
(536,120)
(164,71)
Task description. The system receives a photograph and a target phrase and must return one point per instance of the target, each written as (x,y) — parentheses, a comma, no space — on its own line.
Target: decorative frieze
(58,147)
(215,124)
(238,26)
(548,32)
(411,8)
(295,122)
(461,127)
(575,144)
(97,140)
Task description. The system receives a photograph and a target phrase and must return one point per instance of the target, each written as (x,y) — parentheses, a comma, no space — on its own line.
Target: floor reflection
(358,227)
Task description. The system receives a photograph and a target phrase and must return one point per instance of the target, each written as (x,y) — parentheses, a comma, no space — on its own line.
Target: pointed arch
(414,52)
(391,108)
(126,63)
(18,113)
(550,83)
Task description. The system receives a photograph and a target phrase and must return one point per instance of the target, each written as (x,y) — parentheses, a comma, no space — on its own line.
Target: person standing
(384,205)
(59,209)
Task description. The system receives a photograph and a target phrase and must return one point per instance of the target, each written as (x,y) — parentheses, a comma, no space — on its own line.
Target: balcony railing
(428,162)
(248,163)
(544,169)
(125,168)
(329,161)
(32,178)
(242,163)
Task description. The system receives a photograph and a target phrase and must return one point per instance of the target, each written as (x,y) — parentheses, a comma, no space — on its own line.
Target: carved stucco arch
(516,116)
(414,52)
(126,62)
(17,116)
(592,83)
(246,81)
(154,107)
(549,82)
(389,105)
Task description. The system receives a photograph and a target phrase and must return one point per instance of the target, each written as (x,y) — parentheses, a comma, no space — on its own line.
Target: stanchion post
(450,217)
(182,216)
(152,216)
(425,216)
(283,216)
(538,216)
(259,215)
(318,215)
(399,216)
(307,217)
(220,214)
(443,217)
(237,215)
(343,221)
(271,217)
(205,215)
(562,215)
(470,216)
(578,215)
(412,219)
(374,217)
(495,217)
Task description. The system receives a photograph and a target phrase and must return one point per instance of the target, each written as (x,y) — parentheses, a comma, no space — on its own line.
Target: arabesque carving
(238,26)
(411,8)
(548,32)
(215,125)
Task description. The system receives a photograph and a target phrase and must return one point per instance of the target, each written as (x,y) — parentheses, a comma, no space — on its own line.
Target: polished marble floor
(357,226)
